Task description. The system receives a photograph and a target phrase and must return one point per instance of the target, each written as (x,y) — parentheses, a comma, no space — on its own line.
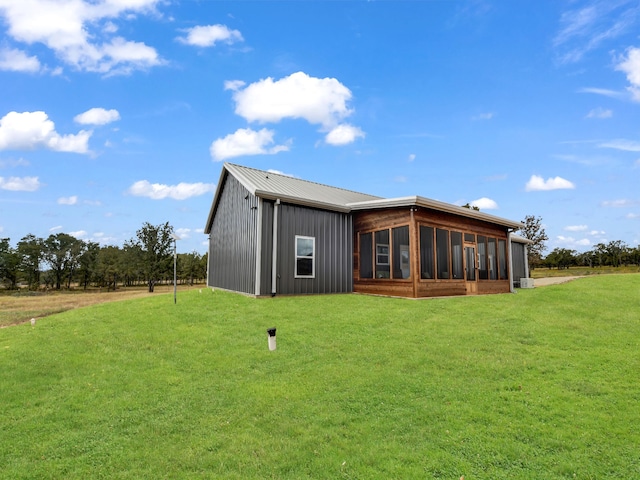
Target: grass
(541,384)
(21,306)
(582,271)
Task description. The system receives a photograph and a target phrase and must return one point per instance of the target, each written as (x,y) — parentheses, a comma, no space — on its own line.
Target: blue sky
(119,112)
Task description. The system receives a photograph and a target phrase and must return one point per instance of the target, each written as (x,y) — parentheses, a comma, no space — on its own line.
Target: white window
(382,254)
(305,257)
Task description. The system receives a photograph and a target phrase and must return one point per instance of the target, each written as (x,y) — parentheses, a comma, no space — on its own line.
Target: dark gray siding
(267,247)
(233,239)
(518,259)
(334,250)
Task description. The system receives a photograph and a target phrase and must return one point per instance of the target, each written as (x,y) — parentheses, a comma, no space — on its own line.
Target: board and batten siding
(233,239)
(334,249)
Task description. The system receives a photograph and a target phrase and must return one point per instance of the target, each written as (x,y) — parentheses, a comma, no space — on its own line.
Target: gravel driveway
(543,282)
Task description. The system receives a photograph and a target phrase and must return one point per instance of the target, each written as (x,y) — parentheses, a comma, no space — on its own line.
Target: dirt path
(543,282)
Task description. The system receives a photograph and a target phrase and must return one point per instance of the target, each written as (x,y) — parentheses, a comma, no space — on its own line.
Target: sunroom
(417,247)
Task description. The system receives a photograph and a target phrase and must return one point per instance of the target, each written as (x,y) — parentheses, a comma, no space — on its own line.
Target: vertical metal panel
(334,250)
(266,247)
(518,257)
(233,242)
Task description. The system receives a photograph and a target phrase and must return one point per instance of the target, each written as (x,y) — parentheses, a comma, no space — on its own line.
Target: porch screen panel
(483,273)
(456,255)
(442,253)
(493,264)
(426,253)
(382,254)
(502,259)
(401,255)
(366,255)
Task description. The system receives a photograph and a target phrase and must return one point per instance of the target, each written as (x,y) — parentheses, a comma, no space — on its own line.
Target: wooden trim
(415,286)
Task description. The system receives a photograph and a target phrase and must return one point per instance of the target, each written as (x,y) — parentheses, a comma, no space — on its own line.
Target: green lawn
(541,384)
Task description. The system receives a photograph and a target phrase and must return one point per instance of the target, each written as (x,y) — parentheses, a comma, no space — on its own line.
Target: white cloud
(586,27)
(79,234)
(208,35)
(537,183)
(72,200)
(636,164)
(80,32)
(621,144)
(602,91)
(620,203)
(245,141)
(597,233)
(631,66)
(234,85)
(18,61)
(343,135)
(183,233)
(31,130)
(483,116)
(484,203)
(633,216)
(158,191)
(319,101)
(576,228)
(97,116)
(572,242)
(412,157)
(21,162)
(400,179)
(20,184)
(600,113)
(55,229)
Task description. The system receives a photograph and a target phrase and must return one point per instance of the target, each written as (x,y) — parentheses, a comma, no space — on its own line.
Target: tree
(153,245)
(30,251)
(87,263)
(191,267)
(108,266)
(561,258)
(534,231)
(615,252)
(9,263)
(61,251)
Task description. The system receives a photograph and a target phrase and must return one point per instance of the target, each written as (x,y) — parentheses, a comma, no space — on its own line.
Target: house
(273,234)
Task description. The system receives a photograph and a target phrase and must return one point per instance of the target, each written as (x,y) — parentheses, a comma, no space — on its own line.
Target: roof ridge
(300,179)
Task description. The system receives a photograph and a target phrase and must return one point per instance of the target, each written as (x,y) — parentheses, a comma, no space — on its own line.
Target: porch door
(470,276)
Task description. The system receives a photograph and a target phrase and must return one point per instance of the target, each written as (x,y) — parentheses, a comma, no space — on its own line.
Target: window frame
(300,257)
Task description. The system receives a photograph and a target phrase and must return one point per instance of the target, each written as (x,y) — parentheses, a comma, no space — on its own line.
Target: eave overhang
(423,202)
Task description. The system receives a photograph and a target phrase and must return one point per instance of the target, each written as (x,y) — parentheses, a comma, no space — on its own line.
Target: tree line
(613,254)
(62,261)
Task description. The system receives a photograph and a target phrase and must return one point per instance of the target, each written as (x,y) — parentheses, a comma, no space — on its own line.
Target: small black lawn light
(272,338)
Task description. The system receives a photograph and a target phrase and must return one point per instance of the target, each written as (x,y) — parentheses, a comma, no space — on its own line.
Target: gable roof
(273,186)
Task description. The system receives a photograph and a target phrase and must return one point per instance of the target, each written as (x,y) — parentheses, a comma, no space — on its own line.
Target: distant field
(20,306)
(542,384)
(581,271)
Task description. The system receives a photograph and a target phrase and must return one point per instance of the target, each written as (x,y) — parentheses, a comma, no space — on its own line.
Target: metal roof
(273,186)
(434,205)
